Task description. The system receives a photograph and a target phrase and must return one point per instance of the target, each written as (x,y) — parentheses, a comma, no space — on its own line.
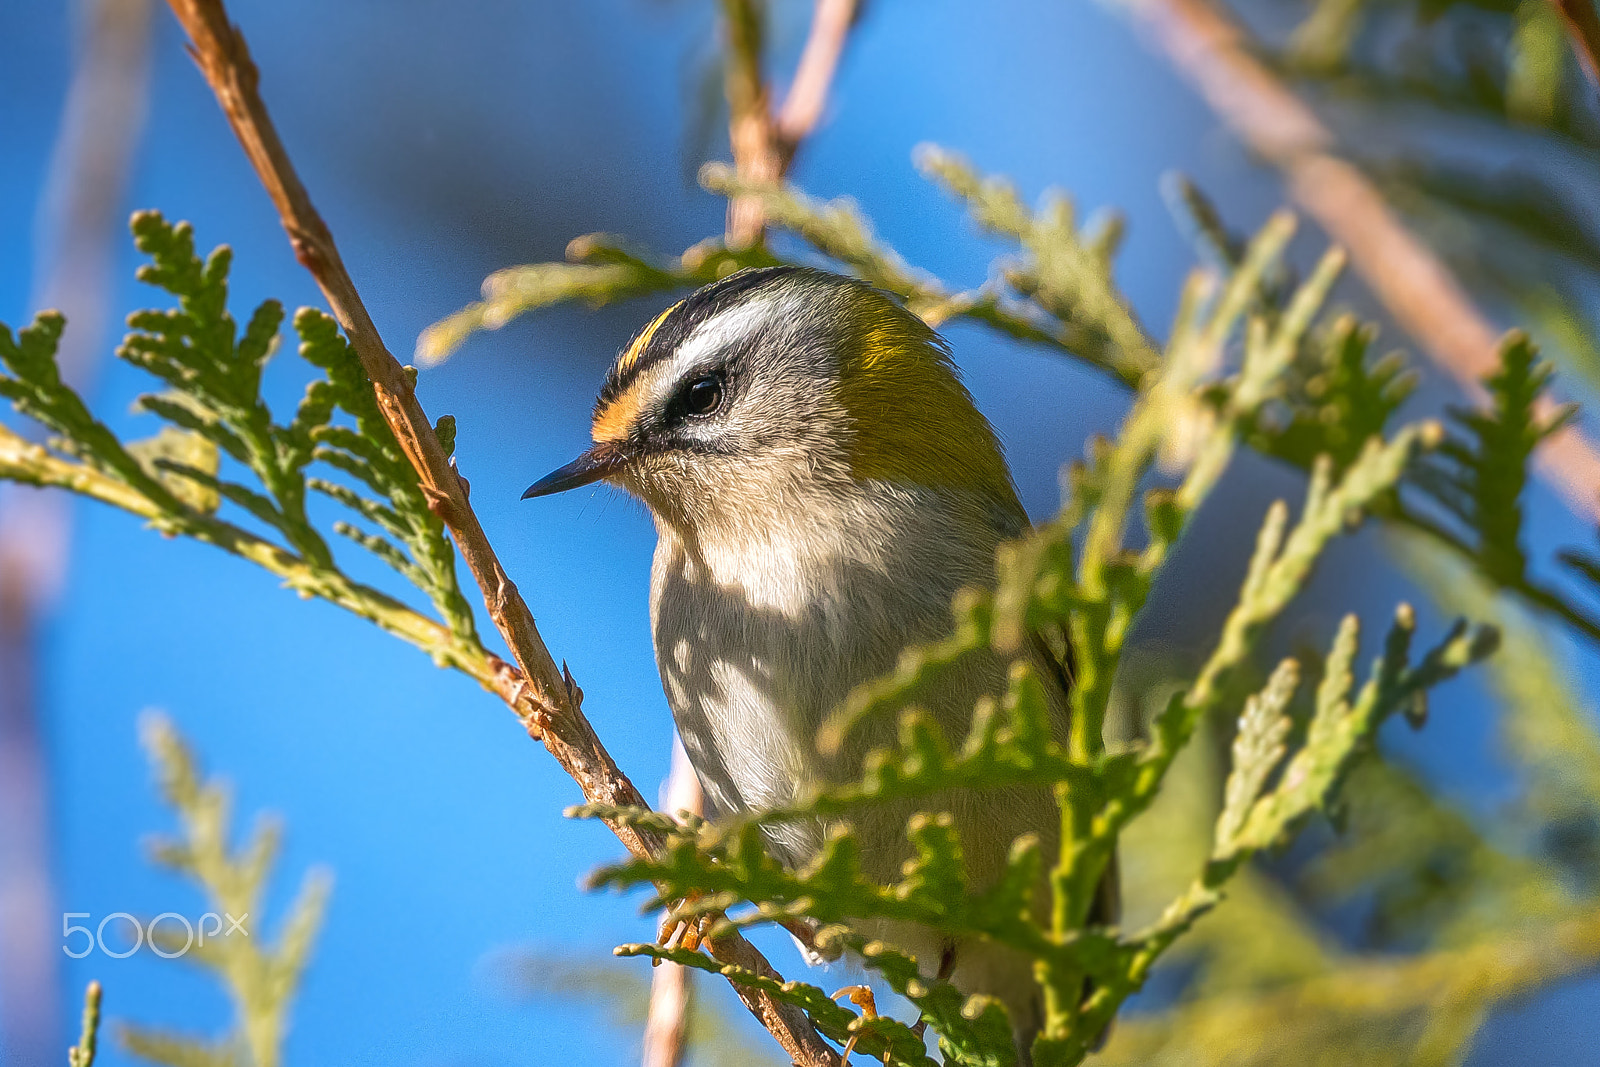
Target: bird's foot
(861,997)
(684,933)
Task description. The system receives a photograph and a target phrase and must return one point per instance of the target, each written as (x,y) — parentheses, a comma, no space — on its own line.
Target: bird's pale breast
(760,636)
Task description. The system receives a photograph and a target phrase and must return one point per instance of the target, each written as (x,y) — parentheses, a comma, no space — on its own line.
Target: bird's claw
(683,933)
(861,997)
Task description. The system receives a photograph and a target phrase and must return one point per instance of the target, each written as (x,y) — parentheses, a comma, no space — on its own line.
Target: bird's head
(771,385)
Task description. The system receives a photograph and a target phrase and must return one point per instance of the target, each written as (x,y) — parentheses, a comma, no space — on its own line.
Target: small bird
(822,487)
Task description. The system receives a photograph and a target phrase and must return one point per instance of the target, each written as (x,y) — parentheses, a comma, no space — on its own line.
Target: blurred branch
(544,697)
(1583,27)
(80,213)
(764,140)
(808,95)
(750,133)
(1411,282)
(666,1028)
(77,223)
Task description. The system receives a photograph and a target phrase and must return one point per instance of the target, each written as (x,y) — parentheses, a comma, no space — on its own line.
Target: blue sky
(443,141)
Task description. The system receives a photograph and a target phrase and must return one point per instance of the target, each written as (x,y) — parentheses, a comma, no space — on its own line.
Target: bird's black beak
(593,465)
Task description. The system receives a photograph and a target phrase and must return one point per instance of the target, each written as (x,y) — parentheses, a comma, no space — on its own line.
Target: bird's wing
(1053,651)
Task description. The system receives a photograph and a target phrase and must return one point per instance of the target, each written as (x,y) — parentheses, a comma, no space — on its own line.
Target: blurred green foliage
(1482,126)
(83,1053)
(259,977)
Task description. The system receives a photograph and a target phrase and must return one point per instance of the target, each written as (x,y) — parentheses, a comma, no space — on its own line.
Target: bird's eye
(704,395)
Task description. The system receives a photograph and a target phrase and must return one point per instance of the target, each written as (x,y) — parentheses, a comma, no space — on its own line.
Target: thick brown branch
(538,691)
(1411,282)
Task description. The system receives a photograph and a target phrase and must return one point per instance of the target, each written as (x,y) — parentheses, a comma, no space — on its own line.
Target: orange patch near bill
(615,421)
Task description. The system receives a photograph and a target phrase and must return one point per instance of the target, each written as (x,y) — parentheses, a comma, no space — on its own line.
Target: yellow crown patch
(635,350)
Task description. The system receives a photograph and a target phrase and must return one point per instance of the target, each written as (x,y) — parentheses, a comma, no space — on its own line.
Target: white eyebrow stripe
(730,326)
(656,381)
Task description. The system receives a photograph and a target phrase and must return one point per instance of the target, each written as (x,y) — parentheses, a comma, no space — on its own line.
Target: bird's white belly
(757,643)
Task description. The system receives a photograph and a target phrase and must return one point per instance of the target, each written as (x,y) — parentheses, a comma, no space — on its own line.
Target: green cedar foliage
(222,444)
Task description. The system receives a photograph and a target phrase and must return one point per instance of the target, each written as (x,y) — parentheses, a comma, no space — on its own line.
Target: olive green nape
(915,423)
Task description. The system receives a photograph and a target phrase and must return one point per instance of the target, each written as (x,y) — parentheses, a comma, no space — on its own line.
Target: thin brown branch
(666,1028)
(764,142)
(542,694)
(1414,285)
(1583,28)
